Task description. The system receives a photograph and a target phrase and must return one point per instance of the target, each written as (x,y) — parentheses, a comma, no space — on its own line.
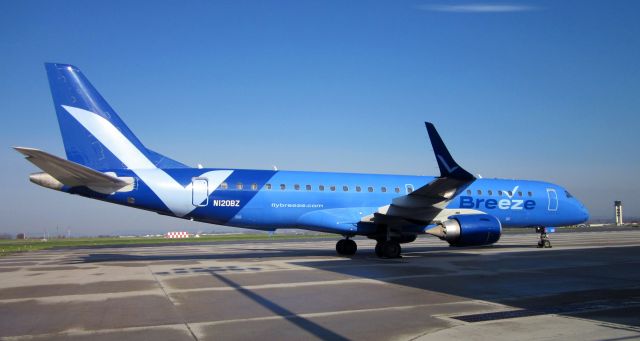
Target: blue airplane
(106,161)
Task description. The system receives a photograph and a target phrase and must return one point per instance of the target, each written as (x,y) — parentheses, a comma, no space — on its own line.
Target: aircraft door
(553,199)
(199,192)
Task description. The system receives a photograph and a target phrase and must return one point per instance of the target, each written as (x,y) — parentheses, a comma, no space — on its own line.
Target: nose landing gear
(544,241)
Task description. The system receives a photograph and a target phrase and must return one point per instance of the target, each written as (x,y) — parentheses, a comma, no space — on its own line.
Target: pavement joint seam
(186,324)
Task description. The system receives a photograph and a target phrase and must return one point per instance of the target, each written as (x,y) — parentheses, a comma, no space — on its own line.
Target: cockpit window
(568,194)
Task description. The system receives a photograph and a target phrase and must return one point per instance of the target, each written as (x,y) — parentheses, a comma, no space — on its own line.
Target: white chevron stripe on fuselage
(175,196)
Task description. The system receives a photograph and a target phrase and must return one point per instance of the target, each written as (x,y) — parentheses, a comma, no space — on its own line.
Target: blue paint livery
(341,203)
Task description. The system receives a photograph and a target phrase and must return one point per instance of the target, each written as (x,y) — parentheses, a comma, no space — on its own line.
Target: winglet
(448,166)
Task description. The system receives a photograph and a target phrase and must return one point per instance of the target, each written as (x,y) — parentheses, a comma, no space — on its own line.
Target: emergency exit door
(553,199)
(199,192)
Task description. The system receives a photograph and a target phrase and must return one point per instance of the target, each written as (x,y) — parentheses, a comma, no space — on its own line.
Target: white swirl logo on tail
(175,196)
(446,165)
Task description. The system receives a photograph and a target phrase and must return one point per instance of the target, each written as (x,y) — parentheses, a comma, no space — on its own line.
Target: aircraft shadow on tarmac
(599,284)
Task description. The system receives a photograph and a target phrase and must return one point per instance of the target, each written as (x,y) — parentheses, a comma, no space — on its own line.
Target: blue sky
(546,90)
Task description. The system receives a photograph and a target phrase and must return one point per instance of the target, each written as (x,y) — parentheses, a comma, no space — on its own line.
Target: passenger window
(510,193)
(370,189)
(397,189)
(283,187)
(308,187)
(499,192)
(468,192)
(358,189)
(530,194)
(267,186)
(519,193)
(254,187)
(409,188)
(490,192)
(296,187)
(239,186)
(321,188)
(383,189)
(479,192)
(224,185)
(332,188)
(345,188)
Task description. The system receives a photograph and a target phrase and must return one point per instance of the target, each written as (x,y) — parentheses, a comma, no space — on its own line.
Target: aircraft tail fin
(92,132)
(449,168)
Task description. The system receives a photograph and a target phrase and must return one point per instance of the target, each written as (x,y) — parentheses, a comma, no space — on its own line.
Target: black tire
(391,249)
(378,249)
(350,247)
(547,244)
(340,247)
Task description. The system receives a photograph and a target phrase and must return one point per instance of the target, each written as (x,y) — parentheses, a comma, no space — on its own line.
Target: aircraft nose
(584,212)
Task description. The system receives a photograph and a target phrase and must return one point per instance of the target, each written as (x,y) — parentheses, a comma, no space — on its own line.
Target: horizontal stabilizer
(72,174)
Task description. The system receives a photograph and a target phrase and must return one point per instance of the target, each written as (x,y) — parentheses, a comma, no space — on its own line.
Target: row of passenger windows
(321,188)
(370,189)
(500,193)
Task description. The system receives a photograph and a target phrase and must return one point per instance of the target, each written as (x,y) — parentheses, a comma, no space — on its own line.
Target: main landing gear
(388,249)
(346,247)
(384,248)
(544,241)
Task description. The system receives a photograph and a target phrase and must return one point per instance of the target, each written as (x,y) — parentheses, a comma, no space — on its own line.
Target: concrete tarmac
(586,287)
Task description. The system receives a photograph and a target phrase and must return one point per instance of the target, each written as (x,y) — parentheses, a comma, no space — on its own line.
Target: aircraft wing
(427,204)
(70,173)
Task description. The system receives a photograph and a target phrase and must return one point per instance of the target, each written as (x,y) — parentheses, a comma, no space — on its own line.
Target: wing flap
(70,173)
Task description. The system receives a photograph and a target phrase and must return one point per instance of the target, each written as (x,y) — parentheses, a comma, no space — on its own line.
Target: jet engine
(468,230)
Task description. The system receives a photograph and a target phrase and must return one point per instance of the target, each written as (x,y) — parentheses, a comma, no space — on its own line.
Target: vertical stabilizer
(72,93)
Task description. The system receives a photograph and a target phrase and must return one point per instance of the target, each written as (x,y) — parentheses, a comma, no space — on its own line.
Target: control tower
(618,208)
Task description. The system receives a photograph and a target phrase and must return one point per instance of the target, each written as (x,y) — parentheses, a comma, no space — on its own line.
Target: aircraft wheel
(379,249)
(346,247)
(350,247)
(547,244)
(340,247)
(391,249)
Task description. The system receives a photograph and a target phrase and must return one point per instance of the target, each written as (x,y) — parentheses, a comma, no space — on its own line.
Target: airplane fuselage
(264,199)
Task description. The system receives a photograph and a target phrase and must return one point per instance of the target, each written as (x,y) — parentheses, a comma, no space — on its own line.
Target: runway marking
(335,313)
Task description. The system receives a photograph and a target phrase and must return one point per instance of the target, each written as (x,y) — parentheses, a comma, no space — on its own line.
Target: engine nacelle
(469,230)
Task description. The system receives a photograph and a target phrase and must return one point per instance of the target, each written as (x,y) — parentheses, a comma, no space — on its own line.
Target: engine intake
(468,230)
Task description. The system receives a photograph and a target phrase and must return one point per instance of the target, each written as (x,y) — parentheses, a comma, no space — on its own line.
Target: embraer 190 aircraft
(106,161)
